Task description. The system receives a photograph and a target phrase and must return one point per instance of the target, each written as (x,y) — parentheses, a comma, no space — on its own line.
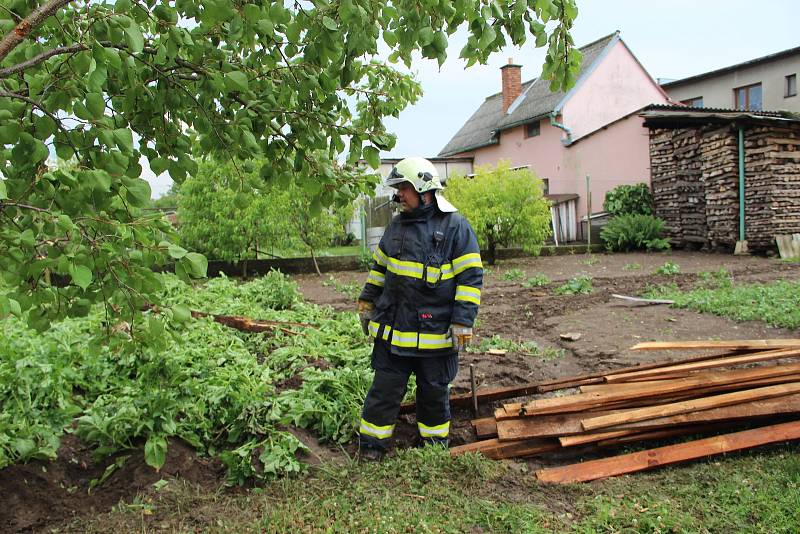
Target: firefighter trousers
(381,407)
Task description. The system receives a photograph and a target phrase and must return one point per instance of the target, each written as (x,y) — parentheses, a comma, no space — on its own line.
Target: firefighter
(419,304)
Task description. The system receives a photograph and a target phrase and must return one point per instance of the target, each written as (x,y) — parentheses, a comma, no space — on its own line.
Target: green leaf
(373,156)
(236,81)
(3,190)
(425,36)
(196,264)
(9,133)
(95,104)
(138,191)
(134,38)
(181,313)
(81,275)
(329,23)
(40,151)
(155,451)
(176,251)
(122,6)
(159,165)
(123,137)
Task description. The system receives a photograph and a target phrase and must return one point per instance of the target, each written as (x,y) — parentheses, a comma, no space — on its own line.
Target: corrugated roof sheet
(665,116)
(538,101)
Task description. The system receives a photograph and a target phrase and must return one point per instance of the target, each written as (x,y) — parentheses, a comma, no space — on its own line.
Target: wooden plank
(738,344)
(582,401)
(757,357)
(663,433)
(621,370)
(485,427)
(484,395)
(495,449)
(622,386)
(581,439)
(789,404)
(545,426)
(676,408)
(670,454)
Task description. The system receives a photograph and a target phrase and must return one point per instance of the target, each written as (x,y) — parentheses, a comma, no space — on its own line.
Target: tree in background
(297,84)
(224,214)
(232,216)
(505,207)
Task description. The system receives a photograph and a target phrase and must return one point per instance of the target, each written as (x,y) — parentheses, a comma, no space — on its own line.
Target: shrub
(628,199)
(634,232)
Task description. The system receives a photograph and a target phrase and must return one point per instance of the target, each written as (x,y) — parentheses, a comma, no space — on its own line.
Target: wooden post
(588,214)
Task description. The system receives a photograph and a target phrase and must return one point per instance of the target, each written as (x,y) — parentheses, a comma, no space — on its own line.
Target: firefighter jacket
(427,274)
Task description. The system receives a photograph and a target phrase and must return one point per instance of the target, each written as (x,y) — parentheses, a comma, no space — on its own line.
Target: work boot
(369,455)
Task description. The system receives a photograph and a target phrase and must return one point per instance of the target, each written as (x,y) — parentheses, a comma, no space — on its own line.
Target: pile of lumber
(749,383)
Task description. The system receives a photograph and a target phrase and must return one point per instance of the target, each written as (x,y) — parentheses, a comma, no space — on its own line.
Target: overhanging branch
(26,25)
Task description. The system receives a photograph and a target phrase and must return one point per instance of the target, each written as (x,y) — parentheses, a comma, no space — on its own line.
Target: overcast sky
(672,39)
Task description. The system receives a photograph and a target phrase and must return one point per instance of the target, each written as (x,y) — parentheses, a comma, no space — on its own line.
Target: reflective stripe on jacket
(417,293)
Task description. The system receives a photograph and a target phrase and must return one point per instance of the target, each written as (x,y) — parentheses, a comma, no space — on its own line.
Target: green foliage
(365,260)
(773,303)
(591,260)
(105,85)
(214,387)
(631,266)
(249,216)
(629,200)
(576,286)
(505,207)
(350,290)
(634,232)
(669,268)
(513,275)
(536,281)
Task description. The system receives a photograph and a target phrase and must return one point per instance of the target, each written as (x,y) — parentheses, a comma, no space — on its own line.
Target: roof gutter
(554,122)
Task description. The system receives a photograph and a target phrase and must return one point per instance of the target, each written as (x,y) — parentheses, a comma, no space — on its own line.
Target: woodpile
(744,383)
(695,180)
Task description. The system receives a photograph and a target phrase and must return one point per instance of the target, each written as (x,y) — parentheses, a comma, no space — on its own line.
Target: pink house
(594,129)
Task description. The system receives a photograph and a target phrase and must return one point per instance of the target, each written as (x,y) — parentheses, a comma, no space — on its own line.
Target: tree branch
(21,30)
(35,60)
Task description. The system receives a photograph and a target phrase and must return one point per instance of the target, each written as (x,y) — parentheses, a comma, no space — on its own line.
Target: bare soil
(38,495)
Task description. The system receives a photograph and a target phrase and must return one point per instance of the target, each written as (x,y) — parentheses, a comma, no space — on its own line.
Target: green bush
(634,232)
(627,199)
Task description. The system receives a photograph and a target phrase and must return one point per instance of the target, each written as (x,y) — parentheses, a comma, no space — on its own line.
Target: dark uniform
(427,275)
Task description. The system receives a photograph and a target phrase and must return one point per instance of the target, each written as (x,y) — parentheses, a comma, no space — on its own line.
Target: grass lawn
(427,491)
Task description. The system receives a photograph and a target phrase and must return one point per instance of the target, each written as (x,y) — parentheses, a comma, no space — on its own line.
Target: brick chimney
(512,83)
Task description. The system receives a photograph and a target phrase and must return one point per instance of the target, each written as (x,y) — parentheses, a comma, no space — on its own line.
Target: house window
(546,188)
(532,129)
(748,98)
(790,86)
(696,102)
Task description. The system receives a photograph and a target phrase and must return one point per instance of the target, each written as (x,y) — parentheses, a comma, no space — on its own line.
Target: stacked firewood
(695,180)
(751,383)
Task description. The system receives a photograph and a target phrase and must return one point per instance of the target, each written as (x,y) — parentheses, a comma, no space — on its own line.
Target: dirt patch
(42,493)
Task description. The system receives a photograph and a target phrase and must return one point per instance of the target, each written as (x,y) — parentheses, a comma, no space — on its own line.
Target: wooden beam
(776,406)
(670,454)
(485,427)
(484,395)
(497,450)
(544,426)
(693,405)
(582,401)
(739,344)
(762,356)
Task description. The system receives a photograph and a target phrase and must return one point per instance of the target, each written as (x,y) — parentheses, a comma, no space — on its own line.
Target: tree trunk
(314,259)
(492,249)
